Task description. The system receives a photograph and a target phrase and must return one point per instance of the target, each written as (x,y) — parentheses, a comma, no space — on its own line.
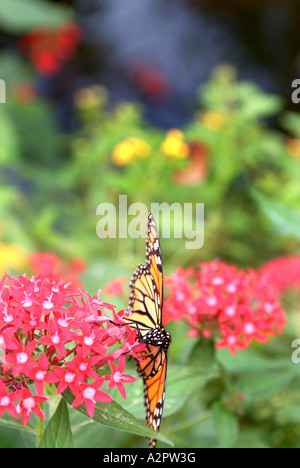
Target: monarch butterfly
(145,303)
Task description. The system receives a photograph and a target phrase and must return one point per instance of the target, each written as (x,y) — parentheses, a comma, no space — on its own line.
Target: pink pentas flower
(50,266)
(41,374)
(7,340)
(90,339)
(93,309)
(83,367)
(30,403)
(21,358)
(117,378)
(57,337)
(8,316)
(31,319)
(89,394)
(116,287)
(52,332)
(182,293)
(231,339)
(281,274)
(218,300)
(7,402)
(66,379)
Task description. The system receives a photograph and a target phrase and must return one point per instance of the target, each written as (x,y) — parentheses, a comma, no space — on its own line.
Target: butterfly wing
(153,370)
(145,303)
(146,286)
(154,260)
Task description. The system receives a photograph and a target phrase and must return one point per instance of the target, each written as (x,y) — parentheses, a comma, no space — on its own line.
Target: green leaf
(202,355)
(226,425)
(259,386)
(58,433)
(18,16)
(113,415)
(284,219)
(9,422)
(9,140)
(291,414)
(291,122)
(178,391)
(255,103)
(249,361)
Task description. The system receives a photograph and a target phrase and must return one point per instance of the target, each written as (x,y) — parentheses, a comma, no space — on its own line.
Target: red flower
(41,375)
(57,337)
(89,394)
(150,80)
(48,49)
(115,288)
(30,403)
(83,367)
(117,378)
(182,295)
(231,339)
(90,340)
(219,300)
(7,341)
(6,402)
(51,332)
(281,274)
(196,171)
(21,358)
(50,266)
(65,378)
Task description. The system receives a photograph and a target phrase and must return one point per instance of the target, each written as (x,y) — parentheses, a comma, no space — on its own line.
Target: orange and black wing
(153,370)
(145,303)
(146,286)
(154,260)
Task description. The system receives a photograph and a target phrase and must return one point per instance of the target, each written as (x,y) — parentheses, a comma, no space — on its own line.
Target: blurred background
(165,101)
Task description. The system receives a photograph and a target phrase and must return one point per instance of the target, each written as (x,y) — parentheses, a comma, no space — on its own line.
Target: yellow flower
(293,147)
(213,120)
(12,257)
(122,153)
(174,144)
(126,150)
(140,147)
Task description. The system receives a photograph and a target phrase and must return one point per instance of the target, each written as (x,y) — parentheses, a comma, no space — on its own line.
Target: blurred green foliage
(19,16)
(56,181)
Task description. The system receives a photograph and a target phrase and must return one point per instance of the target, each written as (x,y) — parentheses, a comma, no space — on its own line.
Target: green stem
(39,428)
(226,379)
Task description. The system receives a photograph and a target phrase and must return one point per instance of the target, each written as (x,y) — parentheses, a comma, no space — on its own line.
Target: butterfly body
(158,337)
(145,304)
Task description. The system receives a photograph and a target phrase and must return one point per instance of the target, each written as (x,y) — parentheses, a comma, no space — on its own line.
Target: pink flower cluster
(116,287)
(282,273)
(53,268)
(219,300)
(51,333)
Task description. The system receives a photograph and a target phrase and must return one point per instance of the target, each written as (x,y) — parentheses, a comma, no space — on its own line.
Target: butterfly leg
(143,340)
